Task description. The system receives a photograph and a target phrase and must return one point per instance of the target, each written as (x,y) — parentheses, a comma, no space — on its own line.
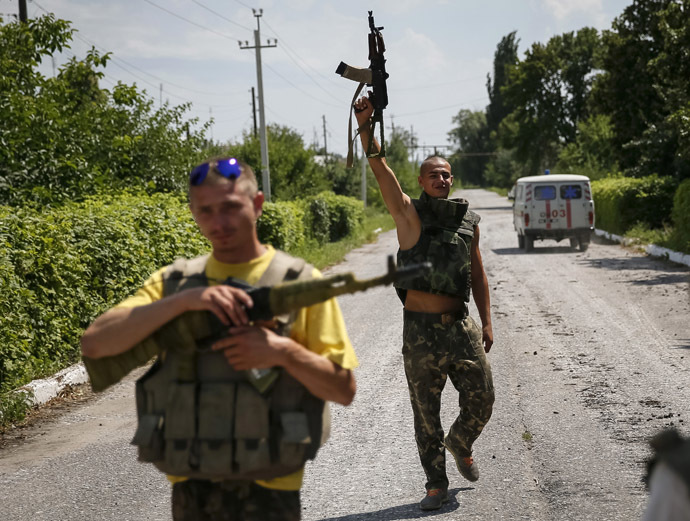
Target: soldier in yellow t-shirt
(316,353)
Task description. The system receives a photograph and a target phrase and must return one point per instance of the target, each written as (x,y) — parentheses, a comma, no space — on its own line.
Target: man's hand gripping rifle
(375,77)
(269,302)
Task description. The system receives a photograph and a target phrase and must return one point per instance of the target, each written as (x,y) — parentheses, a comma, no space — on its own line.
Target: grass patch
(527,436)
(14,407)
(498,190)
(324,255)
(642,234)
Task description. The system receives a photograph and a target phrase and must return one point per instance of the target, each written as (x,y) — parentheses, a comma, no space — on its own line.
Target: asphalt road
(591,358)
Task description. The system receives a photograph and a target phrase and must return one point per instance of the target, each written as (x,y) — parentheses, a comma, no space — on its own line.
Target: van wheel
(529,243)
(584,243)
(521,241)
(574,241)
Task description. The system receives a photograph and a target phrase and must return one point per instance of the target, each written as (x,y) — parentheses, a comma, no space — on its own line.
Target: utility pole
(23,16)
(265,171)
(325,146)
(254,112)
(160,97)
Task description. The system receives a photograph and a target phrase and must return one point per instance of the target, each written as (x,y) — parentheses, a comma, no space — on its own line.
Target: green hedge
(681,216)
(621,202)
(332,217)
(282,225)
(62,267)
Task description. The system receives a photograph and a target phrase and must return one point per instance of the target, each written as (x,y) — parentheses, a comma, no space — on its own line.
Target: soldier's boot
(466,464)
(434,499)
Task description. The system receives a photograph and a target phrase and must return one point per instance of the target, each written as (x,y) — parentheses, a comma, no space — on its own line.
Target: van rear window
(571,191)
(544,192)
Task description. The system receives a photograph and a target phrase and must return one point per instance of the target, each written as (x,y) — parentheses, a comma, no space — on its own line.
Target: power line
(115,61)
(284,50)
(298,88)
(221,16)
(310,77)
(167,82)
(442,108)
(190,21)
(426,86)
(338,84)
(243,4)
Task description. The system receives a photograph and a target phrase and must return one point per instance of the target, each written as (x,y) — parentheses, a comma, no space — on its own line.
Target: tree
(505,58)
(398,158)
(65,137)
(631,92)
(472,139)
(294,173)
(549,90)
(672,67)
(592,153)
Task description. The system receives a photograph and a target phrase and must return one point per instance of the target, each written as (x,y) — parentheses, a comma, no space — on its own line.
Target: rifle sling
(377,117)
(351,140)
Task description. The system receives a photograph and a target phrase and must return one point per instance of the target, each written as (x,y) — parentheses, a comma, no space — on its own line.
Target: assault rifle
(269,302)
(375,77)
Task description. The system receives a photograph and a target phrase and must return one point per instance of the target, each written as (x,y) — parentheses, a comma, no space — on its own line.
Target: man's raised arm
(398,203)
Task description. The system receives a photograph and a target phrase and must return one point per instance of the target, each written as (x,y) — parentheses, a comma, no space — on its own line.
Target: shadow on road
(409,511)
(668,272)
(544,250)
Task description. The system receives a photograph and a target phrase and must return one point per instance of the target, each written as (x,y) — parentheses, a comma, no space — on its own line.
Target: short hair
(430,159)
(246,181)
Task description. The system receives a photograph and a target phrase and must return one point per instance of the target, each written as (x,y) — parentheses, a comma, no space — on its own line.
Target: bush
(65,138)
(282,225)
(681,217)
(332,217)
(621,202)
(61,268)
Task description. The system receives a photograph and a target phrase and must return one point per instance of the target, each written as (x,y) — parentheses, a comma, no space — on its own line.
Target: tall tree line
(587,102)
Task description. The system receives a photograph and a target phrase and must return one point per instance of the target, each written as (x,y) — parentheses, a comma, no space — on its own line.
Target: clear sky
(439,53)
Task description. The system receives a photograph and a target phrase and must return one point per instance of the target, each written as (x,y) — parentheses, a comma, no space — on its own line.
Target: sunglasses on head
(229,168)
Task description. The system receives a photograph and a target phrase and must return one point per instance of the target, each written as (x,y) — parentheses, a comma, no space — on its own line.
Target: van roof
(557,178)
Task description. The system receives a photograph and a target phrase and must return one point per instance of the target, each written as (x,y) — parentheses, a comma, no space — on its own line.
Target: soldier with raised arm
(232,451)
(440,339)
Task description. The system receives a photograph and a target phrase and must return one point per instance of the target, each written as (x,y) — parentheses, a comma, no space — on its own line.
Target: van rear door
(560,210)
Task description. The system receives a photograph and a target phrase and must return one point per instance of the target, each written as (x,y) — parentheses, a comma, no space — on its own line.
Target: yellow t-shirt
(320,328)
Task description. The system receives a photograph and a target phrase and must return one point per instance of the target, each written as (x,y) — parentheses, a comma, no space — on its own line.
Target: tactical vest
(199,418)
(445,241)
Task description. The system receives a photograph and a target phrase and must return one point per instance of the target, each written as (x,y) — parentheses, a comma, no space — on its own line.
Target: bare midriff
(424,302)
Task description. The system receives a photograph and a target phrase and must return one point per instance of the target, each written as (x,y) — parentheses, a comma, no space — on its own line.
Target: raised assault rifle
(375,77)
(269,302)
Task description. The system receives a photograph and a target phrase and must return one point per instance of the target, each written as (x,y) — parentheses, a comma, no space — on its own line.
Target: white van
(553,207)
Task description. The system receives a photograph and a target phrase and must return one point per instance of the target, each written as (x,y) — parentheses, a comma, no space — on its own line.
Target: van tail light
(527,219)
(591,219)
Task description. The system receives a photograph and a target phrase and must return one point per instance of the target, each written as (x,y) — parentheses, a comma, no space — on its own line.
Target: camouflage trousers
(203,500)
(437,347)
